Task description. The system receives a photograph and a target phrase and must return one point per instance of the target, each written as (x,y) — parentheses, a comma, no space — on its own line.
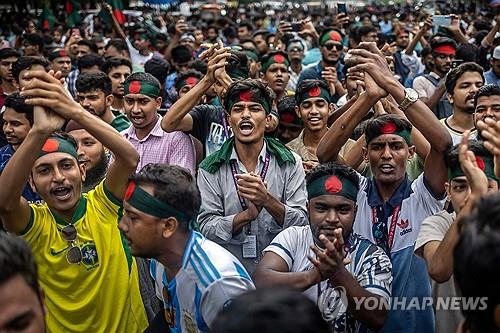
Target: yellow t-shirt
(101,294)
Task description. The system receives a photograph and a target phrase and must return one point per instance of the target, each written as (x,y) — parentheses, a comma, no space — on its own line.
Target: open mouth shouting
(386,168)
(61,192)
(246,127)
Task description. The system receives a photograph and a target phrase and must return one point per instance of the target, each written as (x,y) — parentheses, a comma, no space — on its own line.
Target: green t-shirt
(120,122)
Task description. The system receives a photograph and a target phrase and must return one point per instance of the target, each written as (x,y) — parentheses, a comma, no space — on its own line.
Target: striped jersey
(370,267)
(209,278)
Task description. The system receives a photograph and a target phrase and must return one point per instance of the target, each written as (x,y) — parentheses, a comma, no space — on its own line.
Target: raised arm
(369,59)
(419,36)
(117,29)
(48,92)
(180,28)
(14,209)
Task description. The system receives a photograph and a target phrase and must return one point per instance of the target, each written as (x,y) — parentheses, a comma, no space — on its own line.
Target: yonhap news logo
(451,303)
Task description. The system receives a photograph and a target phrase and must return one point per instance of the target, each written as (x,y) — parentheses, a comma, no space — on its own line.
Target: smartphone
(456,63)
(342,8)
(296,26)
(441,20)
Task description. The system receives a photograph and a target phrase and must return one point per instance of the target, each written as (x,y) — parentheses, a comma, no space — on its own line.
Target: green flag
(117,10)
(47,19)
(72,15)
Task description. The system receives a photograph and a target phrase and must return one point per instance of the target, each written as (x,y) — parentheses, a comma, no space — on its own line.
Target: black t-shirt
(210,127)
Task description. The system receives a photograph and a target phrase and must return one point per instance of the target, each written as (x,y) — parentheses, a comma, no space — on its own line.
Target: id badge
(250,247)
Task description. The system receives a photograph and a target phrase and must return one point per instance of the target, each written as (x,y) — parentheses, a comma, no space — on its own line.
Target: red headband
(445,49)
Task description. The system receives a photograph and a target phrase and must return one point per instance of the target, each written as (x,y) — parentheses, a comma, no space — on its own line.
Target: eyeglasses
(295,49)
(338,46)
(74,254)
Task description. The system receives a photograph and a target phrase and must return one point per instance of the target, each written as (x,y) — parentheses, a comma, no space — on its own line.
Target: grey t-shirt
(434,228)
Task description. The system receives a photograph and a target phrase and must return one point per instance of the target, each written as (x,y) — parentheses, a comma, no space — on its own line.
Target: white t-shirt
(370,267)
(209,279)
(136,57)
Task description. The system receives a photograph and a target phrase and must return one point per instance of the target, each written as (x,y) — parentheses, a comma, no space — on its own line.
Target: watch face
(412,95)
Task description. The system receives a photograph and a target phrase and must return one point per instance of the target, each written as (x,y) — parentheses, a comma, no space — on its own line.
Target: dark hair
(330,169)
(16,259)
(198,65)
(158,67)
(8,52)
(212,26)
(182,53)
(486,90)
(17,103)
(475,262)
(306,85)
(270,310)
(174,186)
(34,39)
(26,62)
(246,24)
(185,75)
(286,104)
(456,73)
(89,60)
(365,30)
(238,63)
(442,41)
(373,125)
(477,147)
(467,52)
(243,85)
(260,32)
(230,32)
(94,81)
(92,46)
(114,62)
(243,41)
(146,77)
(119,44)
(425,51)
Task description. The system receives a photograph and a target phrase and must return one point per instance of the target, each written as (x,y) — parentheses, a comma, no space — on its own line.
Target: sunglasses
(74,254)
(337,46)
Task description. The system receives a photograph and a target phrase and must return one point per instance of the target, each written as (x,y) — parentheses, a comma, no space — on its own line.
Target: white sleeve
(426,199)
(220,294)
(284,245)
(376,274)
(419,84)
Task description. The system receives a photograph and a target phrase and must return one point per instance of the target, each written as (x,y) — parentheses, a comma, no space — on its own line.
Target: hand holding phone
(296,26)
(441,20)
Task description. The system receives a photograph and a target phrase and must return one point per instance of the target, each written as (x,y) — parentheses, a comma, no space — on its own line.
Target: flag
(117,10)
(72,15)
(47,19)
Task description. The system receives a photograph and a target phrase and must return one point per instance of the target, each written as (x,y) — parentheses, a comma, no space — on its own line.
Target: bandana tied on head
(146,203)
(58,144)
(141,87)
(312,93)
(484,163)
(390,128)
(191,81)
(445,49)
(275,59)
(332,185)
(250,95)
(330,35)
(290,118)
(57,54)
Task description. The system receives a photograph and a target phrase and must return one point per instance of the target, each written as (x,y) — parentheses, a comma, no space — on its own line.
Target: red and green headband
(141,87)
(141,200)
(58,144)
(191,81)
(249,95)
(484,163)
(389,128)
(275,59)
(330,35)
(57,54)
(332,185)
(313,93)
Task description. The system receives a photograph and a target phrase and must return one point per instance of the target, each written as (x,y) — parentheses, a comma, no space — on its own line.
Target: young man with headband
(89,278)
(194,277)
(391,207)
(142,101)
(253,187)
(274,72)
(288,260)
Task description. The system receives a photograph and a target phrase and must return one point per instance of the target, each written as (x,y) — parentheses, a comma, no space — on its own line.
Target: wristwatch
(411,96)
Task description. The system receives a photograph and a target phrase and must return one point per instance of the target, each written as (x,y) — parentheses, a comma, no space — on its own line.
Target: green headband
(484,163)
(250,95)
(58,144)
(312,93)
(330,35)
(290,118)
(390,128)
(332,185)
(275,59)
(238,74)
(191,80)
(141,87)
(146,203)
(251,55)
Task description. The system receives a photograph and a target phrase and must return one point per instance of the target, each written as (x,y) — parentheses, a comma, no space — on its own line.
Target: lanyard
(392,228)
(234,171)
(225,125)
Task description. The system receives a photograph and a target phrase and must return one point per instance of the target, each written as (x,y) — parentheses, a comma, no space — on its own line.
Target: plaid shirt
(174,148)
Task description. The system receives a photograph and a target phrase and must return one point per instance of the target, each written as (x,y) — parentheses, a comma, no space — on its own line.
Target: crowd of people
(251,169)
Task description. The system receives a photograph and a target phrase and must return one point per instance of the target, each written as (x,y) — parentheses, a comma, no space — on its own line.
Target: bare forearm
(276,209)
(182,107)
(330,145)
(16,174)
(116,27)
(266,277)
(239,221)
(373,318)
(413,43)
(441,264)
(433,100)
(354,157)
(173,43)
(340,111)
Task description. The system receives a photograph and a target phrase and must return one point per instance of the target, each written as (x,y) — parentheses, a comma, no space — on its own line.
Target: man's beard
(95,175)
